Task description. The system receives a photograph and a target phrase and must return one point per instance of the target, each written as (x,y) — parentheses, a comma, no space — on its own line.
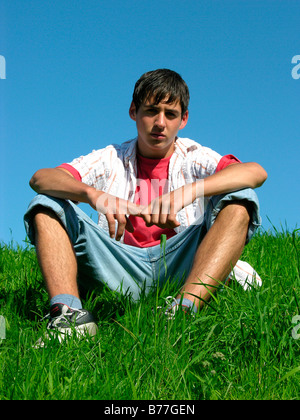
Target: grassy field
(242,346)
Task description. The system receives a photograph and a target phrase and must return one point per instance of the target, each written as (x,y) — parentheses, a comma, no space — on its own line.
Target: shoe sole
(62,334)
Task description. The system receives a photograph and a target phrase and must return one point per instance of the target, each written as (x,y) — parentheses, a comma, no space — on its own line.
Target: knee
(238,212)
(43,216)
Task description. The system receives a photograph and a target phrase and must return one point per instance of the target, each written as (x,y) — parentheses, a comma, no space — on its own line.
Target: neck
(156,153)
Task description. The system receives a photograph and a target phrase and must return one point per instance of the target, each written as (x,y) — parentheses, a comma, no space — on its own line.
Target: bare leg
(218,253)
(55,254)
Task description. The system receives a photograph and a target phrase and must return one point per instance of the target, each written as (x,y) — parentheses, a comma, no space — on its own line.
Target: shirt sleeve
(72,170)
(95,168)
(226,161)
(88,169)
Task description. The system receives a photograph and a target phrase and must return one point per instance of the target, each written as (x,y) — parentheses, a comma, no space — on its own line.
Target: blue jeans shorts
(128,269)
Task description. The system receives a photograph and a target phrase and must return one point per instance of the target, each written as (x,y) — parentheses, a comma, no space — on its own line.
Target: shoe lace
(170,307)
(66,316)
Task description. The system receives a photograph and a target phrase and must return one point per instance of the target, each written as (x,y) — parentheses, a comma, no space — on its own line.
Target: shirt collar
(181,151)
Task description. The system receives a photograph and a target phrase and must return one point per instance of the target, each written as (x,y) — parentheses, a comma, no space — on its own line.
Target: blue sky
(71,67)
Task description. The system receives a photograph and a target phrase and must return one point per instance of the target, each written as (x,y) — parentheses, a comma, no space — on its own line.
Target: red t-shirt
(153,178)
(157,171)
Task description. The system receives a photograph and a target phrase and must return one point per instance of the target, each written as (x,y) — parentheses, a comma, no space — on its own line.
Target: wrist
(92,195)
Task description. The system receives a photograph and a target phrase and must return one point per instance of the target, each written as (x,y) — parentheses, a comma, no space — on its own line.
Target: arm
(235,177)
(60,183)
(162,211)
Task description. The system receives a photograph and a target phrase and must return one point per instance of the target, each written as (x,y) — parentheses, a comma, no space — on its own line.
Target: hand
(162,211)
(115,209)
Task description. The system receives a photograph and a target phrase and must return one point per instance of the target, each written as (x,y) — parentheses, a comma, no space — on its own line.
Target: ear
(184,120)
(132,111)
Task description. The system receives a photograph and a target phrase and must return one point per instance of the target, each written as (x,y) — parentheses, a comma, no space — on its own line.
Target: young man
(154,184)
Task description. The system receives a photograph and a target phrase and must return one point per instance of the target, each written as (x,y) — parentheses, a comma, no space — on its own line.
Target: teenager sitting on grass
(156,184)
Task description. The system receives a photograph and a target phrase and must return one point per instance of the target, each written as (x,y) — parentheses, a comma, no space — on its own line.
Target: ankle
(186,303)
(66,299)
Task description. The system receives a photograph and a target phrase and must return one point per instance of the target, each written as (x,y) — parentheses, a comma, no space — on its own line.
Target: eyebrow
(175,111)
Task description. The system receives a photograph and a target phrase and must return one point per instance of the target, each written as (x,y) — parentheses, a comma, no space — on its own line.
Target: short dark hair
(159,85)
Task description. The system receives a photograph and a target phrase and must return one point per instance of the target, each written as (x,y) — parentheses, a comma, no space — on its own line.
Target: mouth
(158,136)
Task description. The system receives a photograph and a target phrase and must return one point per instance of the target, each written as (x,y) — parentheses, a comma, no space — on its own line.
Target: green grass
(241,347)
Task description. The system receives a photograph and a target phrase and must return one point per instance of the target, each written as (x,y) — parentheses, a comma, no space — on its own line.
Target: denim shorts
(128,269)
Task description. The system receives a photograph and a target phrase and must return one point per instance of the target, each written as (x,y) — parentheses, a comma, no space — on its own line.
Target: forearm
(162,210)
(60,184)
(233,178)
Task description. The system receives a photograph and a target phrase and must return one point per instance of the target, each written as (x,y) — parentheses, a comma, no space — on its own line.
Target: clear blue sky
(71,67)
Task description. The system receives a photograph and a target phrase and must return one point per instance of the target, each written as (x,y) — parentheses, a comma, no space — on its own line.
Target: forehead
(152,102)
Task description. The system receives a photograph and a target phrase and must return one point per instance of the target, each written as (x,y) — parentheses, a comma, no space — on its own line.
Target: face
(157,127)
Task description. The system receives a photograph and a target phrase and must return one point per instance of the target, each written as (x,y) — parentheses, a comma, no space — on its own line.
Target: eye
(171,115)
(150,111)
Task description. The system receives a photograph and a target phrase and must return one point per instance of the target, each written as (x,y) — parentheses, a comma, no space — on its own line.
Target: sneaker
(64,321)
(173,305)
(245,275)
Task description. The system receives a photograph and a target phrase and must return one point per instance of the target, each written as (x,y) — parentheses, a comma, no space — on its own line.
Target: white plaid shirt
(114,170)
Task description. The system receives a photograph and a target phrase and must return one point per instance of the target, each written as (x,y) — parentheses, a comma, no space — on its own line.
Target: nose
(160,120)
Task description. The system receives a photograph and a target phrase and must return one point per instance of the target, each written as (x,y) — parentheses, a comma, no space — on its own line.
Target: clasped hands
(161,211)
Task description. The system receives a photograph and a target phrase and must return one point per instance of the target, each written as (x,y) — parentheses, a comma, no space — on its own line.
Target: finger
(129,227)
(145,214)
(165,209)
(155,211)
(163,219)
(134,209)
(147,219)
(117,209)
(111,224)
(121,219)
(172,222)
